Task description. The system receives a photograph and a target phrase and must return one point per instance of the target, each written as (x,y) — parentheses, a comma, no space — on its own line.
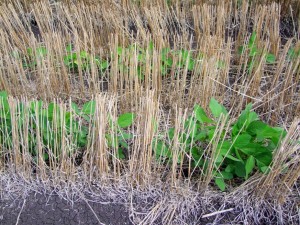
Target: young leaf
(249,166)
(251,66)
(242,140)
(220,183)
(216,108)
(3,94)
(191,64)
(162,151)
(119,51)
(126,119)
(29,51)
(171,134)
(38,105)
(83,54)
(120,154)
(239,169)
(262,131)
(226,175)
(241,50)
(229,168)
(243,118)
(89,108)
(253,51)
(125,136)
(201,136)
(69,48)
(201,115)
(151,46)
(41,51)
(270,58)
(75,108)
(169,62)
(265,158)
(225,149)
(252,39)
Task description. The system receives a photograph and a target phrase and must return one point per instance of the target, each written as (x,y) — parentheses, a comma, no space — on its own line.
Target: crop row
(82,60)
(242,146)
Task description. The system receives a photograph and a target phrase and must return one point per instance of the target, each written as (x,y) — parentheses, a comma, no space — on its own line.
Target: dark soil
(38,209)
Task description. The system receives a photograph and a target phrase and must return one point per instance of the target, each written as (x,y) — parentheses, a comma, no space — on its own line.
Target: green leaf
(250,66)
(264,157)
(45,156)
(220,183)
(51,109)
(83,54)
(75,108)
(36,104)
(126,119)
(30,51)
(169,62)
(253,51)
(195,154)
(120,154)
(82,138)
(218,159)
(125,136)
(171,132)
(216,108)
(141,57)
(233,158)
(89,108)
(3,94)
(270,58)
(151,46)
(264,169)
(241,49)
(293,53)
(191,65)
(229,168)
(164,70)
(201,115)
(242,140)
(259,152)
(211,132)
(239,169)
(224,147)
(184,54)
(256,127)
(41,51)
(69,48)
(252,39)
(161,150)
(262,131)
(164,53)
(119,51)
(225,175)
(249,166)
(252,117)
(201,136)
(71,60)
(123,144)
(243,119)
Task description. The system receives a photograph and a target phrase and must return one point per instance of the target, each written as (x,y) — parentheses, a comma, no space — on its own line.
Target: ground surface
(38,209)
